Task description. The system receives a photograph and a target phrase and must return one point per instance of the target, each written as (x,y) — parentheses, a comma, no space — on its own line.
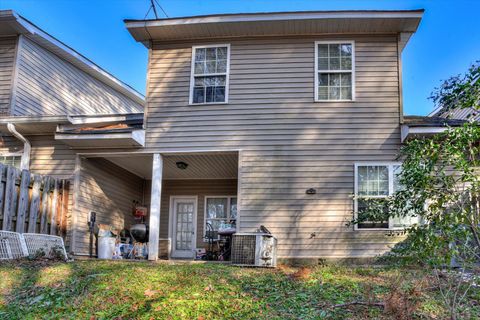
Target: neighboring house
(287,120)
(47,90)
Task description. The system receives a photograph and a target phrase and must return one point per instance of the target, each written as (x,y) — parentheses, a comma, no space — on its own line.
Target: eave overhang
(84,131)
(415,127)
(274,24)
(103,131)
(88,140)
(33,125)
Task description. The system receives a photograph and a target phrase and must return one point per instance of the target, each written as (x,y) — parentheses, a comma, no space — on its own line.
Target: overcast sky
(446,43)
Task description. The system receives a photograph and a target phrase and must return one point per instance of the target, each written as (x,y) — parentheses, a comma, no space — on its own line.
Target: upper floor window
(209,75)
(334,71)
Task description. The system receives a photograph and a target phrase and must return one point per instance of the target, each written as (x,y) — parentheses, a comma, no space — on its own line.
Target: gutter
(25,163)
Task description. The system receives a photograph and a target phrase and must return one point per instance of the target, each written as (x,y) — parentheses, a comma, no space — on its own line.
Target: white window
(11,160)
(375,182)
(334,71)
(209,75)
(220,211)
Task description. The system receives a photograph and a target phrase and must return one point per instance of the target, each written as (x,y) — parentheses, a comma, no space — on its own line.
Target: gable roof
(275,24)
(12,23)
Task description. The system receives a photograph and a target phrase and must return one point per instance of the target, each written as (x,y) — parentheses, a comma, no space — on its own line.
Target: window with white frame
(220,211)
(209,75)
(374,183)
(11,160)
(334,71)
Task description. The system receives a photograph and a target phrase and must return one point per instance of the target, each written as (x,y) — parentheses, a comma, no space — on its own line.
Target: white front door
(184,230)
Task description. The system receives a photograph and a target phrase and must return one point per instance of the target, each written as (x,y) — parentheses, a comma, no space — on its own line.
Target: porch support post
(154,225)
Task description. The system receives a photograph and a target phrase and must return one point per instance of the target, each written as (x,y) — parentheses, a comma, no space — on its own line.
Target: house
(309,104)
(47,92)
(287,120)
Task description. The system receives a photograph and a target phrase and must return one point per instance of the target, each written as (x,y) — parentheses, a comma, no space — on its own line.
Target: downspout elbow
(25,163)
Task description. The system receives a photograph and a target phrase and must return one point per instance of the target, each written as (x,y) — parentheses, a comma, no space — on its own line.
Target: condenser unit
(254,250)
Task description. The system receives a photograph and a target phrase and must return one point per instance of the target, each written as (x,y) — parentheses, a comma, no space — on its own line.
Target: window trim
(390,165)
(229,201)
(13,154)
(316,71)
(192,74)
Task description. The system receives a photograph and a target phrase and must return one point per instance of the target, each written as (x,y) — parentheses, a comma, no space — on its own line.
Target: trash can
(106,247)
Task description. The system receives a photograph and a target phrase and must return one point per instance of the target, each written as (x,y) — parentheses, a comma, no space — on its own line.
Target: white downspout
(25,163)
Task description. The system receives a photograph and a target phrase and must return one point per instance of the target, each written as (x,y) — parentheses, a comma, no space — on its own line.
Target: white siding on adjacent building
(7,58)
(109,191)
(49,85)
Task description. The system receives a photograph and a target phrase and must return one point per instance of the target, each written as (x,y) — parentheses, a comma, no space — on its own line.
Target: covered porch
(183,193)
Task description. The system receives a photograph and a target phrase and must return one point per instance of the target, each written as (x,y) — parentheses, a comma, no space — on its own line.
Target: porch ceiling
(200,166)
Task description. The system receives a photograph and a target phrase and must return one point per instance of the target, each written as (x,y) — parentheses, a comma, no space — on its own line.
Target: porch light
(182,165)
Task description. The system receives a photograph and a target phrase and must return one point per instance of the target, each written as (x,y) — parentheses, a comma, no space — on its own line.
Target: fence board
(34,203)
(8,209)
(44,209)
(53,215)
(22,201)
(2,189)
(64,209)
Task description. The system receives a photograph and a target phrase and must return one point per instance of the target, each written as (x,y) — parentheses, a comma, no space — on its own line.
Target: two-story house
(286,120)
(294,118)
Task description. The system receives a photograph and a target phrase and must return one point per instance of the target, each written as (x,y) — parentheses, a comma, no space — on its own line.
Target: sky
(446,43)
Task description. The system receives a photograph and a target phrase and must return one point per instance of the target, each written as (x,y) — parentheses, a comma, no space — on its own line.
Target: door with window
(184,227)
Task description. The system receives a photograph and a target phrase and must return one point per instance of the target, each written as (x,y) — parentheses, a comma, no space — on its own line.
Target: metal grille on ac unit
(254,249)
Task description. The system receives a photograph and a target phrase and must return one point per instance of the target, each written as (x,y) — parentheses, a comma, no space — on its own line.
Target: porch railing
(32,203)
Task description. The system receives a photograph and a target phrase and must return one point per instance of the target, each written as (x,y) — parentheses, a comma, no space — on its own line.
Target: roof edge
(233,17)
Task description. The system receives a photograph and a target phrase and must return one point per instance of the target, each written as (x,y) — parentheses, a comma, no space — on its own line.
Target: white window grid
(193,75)
(391,166)
(351,71)
(228,218)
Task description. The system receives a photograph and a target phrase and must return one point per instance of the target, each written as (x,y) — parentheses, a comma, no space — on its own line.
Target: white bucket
(106,247)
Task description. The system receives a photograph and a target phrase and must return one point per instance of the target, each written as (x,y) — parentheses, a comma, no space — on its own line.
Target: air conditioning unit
(254,250)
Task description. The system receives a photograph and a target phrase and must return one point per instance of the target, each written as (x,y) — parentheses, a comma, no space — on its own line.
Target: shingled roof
(426,121)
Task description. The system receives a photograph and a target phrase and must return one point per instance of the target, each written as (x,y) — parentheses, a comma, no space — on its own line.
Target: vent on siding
(243,249)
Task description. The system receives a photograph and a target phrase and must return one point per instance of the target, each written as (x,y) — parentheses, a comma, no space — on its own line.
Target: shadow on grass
(119,290)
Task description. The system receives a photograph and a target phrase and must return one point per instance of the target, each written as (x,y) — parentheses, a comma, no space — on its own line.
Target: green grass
(142,290)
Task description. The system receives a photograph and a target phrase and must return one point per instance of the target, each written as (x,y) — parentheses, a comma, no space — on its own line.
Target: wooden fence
(32,203)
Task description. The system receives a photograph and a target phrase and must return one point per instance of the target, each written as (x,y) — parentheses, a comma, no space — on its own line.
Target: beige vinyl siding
(47,84)
(48,157)
(7,62)
(289,143)
(191,187)
(108,190)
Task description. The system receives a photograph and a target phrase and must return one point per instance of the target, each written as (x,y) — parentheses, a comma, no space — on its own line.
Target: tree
(440,181)
(459,91)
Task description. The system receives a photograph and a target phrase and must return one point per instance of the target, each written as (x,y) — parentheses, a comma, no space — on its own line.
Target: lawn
(143,290)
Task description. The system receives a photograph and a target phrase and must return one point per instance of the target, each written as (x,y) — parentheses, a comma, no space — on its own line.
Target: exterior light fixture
(182,165)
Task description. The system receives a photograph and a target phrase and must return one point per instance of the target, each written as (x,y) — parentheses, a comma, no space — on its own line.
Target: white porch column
(154,225)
